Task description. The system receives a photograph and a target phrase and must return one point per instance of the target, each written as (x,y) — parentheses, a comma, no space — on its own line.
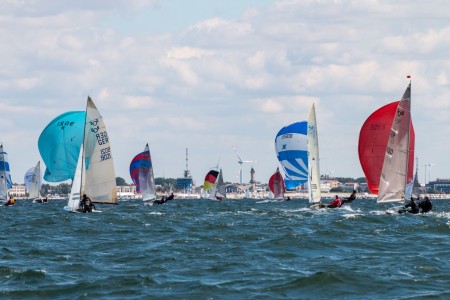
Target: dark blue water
(234,249)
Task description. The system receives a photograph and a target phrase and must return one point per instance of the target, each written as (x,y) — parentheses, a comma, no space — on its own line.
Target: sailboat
(94,174)
(33,182)
(386,150)
(210,181)
(297,148)
(214,185)
(276,185)
(5,176)
(141,171)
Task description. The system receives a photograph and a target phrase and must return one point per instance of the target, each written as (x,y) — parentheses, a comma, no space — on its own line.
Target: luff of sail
(313,159)
(33,181)
(99,179)
(5,176)
(141,171)
(394,175)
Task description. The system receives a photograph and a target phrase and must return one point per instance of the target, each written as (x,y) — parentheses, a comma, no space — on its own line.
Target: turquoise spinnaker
(59,145)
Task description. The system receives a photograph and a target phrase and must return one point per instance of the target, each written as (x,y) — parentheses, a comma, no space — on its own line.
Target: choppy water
(234,249)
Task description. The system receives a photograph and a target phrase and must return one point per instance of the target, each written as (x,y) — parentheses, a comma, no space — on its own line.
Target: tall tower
(185,183)
(186,172)
(252,176)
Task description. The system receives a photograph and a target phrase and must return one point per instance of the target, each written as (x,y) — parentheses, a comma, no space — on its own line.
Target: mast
(82,149)
(409,133)
(3,171)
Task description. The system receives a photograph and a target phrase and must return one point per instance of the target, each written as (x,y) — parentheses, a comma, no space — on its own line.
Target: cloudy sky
(209,75)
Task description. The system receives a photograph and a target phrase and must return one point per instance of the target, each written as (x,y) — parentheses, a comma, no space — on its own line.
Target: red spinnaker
(276,184)
(373,139)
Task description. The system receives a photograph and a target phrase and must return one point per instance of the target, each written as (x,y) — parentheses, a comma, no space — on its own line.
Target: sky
(210,75)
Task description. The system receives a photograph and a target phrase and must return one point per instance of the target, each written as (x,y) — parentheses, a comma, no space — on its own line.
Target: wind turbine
(241,162)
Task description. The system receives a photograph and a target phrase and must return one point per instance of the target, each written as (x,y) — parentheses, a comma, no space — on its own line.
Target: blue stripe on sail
(299,127)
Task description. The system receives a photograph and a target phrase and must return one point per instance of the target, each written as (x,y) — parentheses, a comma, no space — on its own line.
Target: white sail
(33,181)
(5,176)
(394,176)
(221,192)
(218,191)
(94,175)
(99,182)
(313,159)
(74,199)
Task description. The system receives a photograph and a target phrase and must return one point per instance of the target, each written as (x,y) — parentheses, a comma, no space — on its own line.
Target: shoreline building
(185,183)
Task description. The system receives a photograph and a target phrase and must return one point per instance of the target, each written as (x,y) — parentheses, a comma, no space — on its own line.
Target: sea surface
(232,249)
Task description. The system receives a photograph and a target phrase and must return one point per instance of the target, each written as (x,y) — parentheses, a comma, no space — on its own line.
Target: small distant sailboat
(33,183)
(386,150)
(214,185)
(94,175)
(210,181)
(141,171)
(5,175)
(276,185)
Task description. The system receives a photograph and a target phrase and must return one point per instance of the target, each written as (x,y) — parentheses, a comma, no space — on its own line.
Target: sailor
(413,208)
(11,201)
(86,204)
(162,201)
(335,203)
(350,199)
(425,206)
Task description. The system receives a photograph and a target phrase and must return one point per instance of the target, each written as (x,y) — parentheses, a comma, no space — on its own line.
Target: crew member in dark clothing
(86,204)
(349,199)
(162,201)
(425,206)
(413,208)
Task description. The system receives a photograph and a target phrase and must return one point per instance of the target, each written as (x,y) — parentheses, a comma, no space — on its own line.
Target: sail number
(105,153)
(63,124)
(377,126)
(102,138)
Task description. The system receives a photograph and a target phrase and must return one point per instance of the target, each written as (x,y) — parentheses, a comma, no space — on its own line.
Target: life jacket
(336,202)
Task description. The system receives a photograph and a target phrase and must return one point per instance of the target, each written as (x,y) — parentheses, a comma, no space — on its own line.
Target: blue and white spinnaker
(291,147)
